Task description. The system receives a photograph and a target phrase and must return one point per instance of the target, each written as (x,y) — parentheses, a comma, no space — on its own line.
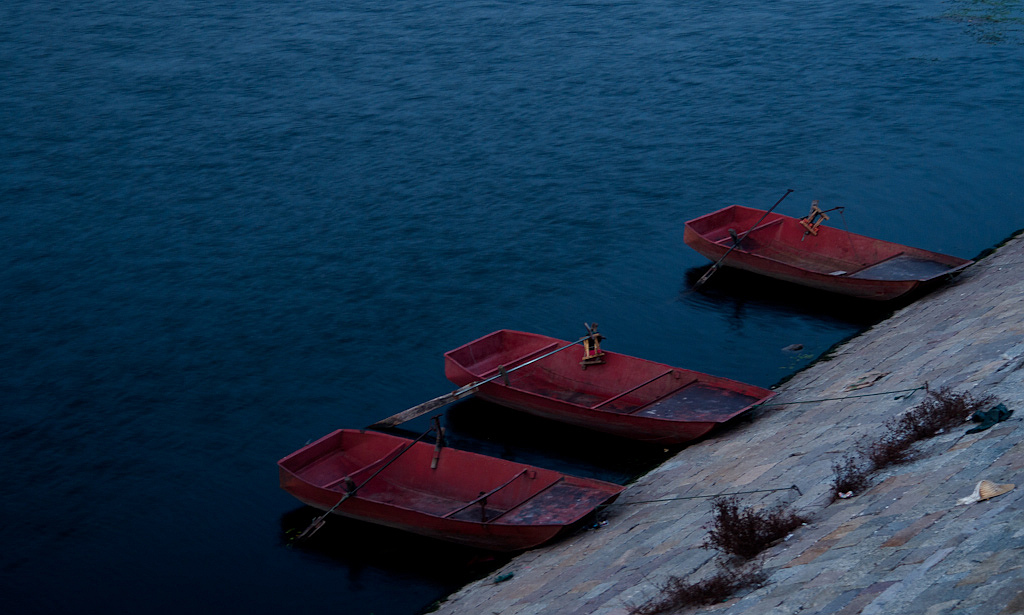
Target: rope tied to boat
(900,394)
(712,495)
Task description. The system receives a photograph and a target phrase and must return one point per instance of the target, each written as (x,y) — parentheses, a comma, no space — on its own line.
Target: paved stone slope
(903,546)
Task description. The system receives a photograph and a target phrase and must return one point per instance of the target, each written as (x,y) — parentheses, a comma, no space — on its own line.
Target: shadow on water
(361,548)
(743,292)
(487,428)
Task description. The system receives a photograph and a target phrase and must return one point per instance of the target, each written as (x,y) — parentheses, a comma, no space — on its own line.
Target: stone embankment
(902,546)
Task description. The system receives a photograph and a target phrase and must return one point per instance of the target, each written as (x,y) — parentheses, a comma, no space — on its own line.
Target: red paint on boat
(471,499)
(833,260)
(625,396)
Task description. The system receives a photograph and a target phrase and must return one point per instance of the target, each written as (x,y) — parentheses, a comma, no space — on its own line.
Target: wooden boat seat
(631,408)
(467,512)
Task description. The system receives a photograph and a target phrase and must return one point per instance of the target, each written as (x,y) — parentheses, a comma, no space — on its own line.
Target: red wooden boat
(468,498)
(803,252)
(622,395)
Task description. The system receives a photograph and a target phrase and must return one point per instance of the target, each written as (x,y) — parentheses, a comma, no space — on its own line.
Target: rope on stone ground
(901,394)
(984,265)
(716,495)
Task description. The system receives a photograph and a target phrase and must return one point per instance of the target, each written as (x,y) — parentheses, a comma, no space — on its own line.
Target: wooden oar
(469,389)
(735,243)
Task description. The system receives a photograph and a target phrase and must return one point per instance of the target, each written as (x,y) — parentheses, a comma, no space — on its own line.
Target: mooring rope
(715,495)
(898,394)
(983,265)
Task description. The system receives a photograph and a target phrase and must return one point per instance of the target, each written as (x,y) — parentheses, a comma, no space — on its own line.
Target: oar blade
(312,528)
(420,409)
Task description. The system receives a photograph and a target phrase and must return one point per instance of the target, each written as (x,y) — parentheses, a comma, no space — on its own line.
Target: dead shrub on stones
(940,410)
(891,449)
(740,533)
(852,475)
(679,594)
(746,532)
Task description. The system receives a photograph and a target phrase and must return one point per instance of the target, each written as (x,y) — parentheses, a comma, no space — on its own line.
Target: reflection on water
(487,428)
(740,292)
(361,548)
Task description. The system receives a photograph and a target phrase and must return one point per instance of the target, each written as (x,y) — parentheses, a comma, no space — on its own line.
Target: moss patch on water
(990,21)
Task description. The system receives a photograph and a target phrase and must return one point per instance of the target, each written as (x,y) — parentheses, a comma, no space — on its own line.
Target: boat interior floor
(559,503)
(902,267)
(698,402)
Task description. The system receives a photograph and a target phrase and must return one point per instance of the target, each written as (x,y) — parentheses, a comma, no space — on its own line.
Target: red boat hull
(524,506)
(833,260)
(625,396)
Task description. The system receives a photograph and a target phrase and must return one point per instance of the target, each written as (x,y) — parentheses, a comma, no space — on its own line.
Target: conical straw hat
(984,490)
(987,489)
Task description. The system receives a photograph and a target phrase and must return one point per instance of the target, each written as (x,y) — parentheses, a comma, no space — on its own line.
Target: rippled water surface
(227,228)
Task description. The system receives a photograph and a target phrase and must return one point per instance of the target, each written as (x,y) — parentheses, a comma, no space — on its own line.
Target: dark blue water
(227,228)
